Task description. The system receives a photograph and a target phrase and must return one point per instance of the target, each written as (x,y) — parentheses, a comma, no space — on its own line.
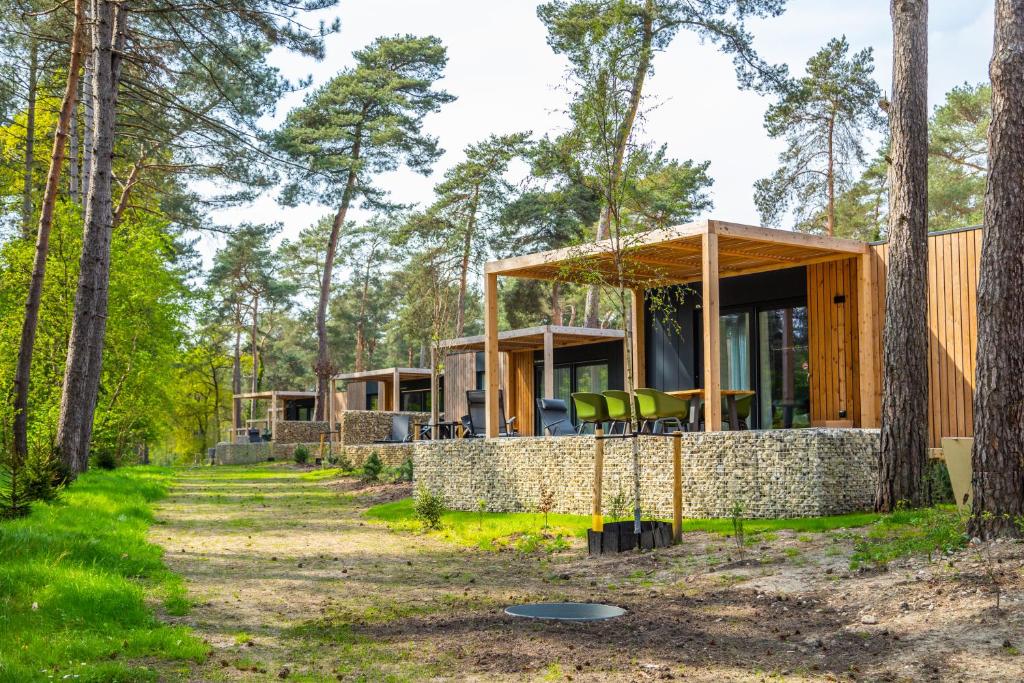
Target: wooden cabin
(550,361)
(795,318)
(396,389)
(298,406)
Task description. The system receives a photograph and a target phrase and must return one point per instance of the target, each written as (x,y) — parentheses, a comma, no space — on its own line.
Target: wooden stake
(677,486)
(597,522)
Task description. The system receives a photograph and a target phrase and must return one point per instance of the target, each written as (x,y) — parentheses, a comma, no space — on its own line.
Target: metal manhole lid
(565,611)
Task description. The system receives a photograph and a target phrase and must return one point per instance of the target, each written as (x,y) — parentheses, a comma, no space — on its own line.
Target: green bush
(301,454)
(372,468)
(403,472)
(37,477)
(104,459)
(906,532)
(429,508)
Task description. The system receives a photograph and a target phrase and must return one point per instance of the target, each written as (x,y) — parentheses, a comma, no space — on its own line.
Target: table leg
(694,414)
(734,418)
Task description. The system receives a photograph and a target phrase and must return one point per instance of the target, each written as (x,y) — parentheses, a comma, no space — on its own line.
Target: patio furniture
(554,417)
(618,409)
(738,411)
(401,430)
(475,422)
(590,409)
(664,409)
(730,396)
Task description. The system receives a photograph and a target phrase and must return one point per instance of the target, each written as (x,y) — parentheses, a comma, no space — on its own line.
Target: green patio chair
(744,404)
(590,409)
(663,410)
(618,408)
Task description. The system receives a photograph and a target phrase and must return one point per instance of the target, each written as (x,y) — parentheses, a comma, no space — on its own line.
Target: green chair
(661,409)
(590,409)
(744,404)
(618,408)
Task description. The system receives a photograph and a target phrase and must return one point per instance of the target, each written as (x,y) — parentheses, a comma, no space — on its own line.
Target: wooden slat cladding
(355,396)
(519,390)
(459,376)
(833,337)
(952,329)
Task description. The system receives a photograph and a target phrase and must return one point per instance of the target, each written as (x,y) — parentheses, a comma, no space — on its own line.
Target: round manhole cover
(565,611)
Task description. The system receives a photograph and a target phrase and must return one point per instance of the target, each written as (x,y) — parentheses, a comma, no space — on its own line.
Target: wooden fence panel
(832,309)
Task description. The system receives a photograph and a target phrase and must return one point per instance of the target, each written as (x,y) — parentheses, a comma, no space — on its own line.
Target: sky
(507,79)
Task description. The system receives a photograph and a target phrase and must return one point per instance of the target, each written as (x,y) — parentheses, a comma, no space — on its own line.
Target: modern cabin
(267,409)
(795,318)
(550,361)
(389,389)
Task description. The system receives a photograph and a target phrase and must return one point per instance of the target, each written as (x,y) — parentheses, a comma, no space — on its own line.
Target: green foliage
(907,532)
(618,504)
(823,117)
(736,515)
(373,467)
(301,454)
(104,458)
(403,473)
(429,508)
(546,503)
(77,576)
(958,157)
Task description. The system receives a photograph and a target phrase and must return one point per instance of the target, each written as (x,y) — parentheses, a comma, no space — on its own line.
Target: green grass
(465,528)
(75,578)
(924,531)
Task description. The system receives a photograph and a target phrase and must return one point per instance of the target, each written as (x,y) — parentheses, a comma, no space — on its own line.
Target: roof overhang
(674,255)
(532,338)
(385,375)
(280,395)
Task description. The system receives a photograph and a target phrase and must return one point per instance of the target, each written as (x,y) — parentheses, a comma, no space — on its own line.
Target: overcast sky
(507,79)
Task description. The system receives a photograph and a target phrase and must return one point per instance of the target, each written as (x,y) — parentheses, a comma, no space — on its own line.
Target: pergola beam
(709,309)
(491,353)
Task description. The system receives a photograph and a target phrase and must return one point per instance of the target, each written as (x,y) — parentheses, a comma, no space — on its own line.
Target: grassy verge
(75,576)
(924,531)
(496,530)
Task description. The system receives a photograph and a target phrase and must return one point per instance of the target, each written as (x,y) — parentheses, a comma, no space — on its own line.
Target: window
(784,398)
(589,377)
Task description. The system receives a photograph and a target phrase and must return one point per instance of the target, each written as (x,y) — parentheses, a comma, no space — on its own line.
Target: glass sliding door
(588,377)
(734,340)
(784,398)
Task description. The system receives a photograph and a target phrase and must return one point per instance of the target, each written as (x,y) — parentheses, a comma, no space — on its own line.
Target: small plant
(617,505)
(403,472)
(429,508)
(343,463)
(372,468)
(301,454)
(104,459)
(738,535)
(481,508)
(546,503)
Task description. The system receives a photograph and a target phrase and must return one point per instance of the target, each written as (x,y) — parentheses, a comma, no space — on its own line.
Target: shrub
(372,468)
(37,477)
(301,454)
(404,471)
(104,459)
(429,508)
(617,505)
(547,502)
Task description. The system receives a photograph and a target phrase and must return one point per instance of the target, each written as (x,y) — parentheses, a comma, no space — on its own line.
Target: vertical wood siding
(355,396)
(519,391)
(833,338)
(952,329)
(459,376)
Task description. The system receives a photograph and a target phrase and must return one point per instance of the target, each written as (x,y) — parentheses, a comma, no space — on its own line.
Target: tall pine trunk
(998,456)
(904,439)
(30,136)
(88,328)
(254,384)
(23,366)
(236,381)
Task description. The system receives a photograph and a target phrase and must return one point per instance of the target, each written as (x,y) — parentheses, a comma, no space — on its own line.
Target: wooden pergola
(390,378)
(544,338)
(703,251)
(278,401)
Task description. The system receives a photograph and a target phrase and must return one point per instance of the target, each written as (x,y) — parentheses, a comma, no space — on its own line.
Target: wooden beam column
(273,415)
(709,308)
(491,379)
(867,334)
(396,394)
(549,363)
(639,349)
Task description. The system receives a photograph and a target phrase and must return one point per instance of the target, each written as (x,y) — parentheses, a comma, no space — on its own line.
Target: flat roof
(286,395)
(385,375)
(675,255)
(532,338)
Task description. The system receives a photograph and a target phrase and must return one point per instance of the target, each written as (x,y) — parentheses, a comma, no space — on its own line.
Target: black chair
(554,417)
(401,430)
(475,422)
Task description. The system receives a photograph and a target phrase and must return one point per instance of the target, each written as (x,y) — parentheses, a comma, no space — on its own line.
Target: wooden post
(549,363)
(435,409)
(491,352)
(396,394)
(709,307)
(273,415)
(639,351)
(867,335)
(596,520)
(677,486)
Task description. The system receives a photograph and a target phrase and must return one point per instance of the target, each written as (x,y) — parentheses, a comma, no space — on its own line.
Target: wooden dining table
(730,395)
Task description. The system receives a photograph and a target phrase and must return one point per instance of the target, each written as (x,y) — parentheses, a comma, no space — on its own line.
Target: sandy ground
(291,582)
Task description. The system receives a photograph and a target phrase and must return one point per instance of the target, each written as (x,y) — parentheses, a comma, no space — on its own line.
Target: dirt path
(290,582)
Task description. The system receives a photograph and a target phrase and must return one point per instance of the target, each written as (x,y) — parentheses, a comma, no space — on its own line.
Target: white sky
(507,79)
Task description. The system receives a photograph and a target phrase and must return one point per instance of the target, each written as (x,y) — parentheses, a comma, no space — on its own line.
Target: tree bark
(73,152)
(998,455)
(88,107)
(904,438)
(467,247)
(831,216)
(556,304)
(30,137)
(236,380)
(23,366)
(85,345)
(254,384)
